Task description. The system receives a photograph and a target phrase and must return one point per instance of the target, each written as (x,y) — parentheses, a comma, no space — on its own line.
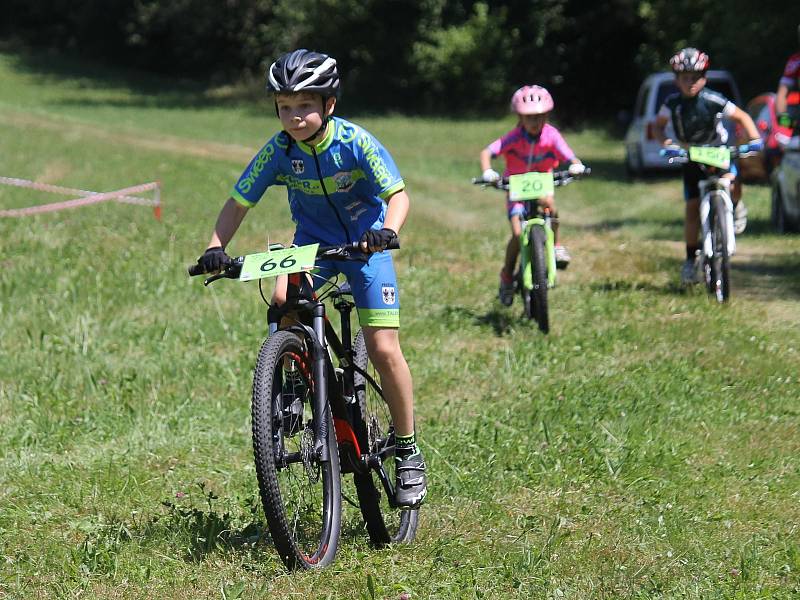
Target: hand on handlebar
(576,169)
(377,240)
(490,176)
(755,145)
(214,259)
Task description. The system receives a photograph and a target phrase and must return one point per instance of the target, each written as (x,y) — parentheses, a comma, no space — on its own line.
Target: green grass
(646,448)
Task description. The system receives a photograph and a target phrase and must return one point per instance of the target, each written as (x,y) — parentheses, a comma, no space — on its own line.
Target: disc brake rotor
(310,462)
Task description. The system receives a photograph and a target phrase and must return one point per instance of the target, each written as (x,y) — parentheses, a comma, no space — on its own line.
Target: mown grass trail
(646,448)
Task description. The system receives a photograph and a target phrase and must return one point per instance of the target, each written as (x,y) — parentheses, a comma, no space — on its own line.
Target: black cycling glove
(214,259)
(377,240)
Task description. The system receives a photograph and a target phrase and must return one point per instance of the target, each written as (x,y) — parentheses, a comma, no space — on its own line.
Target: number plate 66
(278,262)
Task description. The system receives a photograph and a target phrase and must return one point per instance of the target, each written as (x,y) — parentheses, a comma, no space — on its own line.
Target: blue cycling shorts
(374,287)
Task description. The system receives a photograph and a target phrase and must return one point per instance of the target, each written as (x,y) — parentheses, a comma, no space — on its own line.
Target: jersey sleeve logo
(388,294)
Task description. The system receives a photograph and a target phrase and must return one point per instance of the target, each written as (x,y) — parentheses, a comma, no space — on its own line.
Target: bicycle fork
(319,354)
(708,191)
(549,250)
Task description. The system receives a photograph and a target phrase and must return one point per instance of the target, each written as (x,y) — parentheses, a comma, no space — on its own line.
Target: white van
(641,147)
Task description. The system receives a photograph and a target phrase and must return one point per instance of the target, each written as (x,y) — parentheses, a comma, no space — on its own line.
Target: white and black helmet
(690,60)
(304,71)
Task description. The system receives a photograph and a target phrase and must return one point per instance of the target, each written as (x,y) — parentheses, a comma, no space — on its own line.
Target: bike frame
(325,341)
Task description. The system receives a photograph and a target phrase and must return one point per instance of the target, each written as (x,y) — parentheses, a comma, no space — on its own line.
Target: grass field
(647,448)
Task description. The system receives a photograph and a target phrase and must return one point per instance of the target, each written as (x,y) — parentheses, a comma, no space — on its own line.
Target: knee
(384,353)
(279,297)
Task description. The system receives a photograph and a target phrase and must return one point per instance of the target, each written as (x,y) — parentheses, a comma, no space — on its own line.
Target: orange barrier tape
(86,197)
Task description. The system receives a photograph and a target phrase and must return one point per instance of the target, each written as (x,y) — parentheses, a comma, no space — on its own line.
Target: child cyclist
(696,114)
(343,186)
(533,145)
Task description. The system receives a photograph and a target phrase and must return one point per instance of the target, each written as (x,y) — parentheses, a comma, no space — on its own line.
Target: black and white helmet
(690,60)
(304,71)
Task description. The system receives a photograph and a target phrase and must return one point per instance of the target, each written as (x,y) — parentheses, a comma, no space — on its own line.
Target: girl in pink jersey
(533,145)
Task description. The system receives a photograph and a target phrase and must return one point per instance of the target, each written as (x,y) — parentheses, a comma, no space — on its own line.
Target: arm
(228,221)
(377,241)
(397,211)
(660,125)
(743,119)
(486,159)
(780,98)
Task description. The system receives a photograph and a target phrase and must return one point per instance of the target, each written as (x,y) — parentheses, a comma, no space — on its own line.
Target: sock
(691,252)
(405,446)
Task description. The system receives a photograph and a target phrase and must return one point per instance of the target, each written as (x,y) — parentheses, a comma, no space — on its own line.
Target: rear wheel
(718,270)
(374,431)
(301,494)
(539,271)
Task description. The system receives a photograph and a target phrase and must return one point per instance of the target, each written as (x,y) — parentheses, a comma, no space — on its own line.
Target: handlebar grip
(394,244)
(196,270)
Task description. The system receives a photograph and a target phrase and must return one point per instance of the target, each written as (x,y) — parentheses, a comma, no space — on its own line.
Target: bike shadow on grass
(209,530)
(769,278)
(500,319)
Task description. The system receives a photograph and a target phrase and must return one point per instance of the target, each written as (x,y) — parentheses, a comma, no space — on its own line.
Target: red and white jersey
(524,153)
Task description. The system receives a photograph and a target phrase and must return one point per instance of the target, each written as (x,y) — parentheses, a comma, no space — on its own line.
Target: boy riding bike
(533,145)
(343,186)
(696,114)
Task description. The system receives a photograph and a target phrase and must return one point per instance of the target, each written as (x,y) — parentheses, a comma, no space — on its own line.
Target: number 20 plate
(529,186)
(278,262)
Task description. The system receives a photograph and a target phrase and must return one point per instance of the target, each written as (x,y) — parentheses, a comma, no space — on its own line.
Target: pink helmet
(531,100)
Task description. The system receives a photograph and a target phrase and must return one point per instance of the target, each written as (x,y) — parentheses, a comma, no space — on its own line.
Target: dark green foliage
(427,55)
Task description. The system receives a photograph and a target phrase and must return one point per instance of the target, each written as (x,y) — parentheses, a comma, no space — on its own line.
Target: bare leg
(383,348)
(512,248)
(691,226)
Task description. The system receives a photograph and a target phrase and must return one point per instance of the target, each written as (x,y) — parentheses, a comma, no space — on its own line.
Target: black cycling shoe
(410,482)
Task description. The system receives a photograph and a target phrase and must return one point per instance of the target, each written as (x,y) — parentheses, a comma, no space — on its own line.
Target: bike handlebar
(348,251)
(560,178)
(680,154)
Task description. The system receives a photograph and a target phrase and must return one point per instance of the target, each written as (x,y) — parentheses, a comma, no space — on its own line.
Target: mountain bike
(318,412)
(537,270)
(716,211)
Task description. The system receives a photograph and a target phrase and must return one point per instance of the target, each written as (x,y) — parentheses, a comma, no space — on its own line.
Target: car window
(723,86)
(664,90)
(755,109)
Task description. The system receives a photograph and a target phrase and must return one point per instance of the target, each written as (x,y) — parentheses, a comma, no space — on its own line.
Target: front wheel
(301,494)
(539,268)
(718,267)
(372,424)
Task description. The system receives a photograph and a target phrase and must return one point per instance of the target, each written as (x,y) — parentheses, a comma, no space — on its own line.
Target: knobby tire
(719,273)
(539,268)
(301,497)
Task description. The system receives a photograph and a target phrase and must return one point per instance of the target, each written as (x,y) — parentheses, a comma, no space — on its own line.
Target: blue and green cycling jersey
(356,170)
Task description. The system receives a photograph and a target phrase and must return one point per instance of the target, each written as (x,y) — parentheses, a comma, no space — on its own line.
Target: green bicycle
(537,272)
